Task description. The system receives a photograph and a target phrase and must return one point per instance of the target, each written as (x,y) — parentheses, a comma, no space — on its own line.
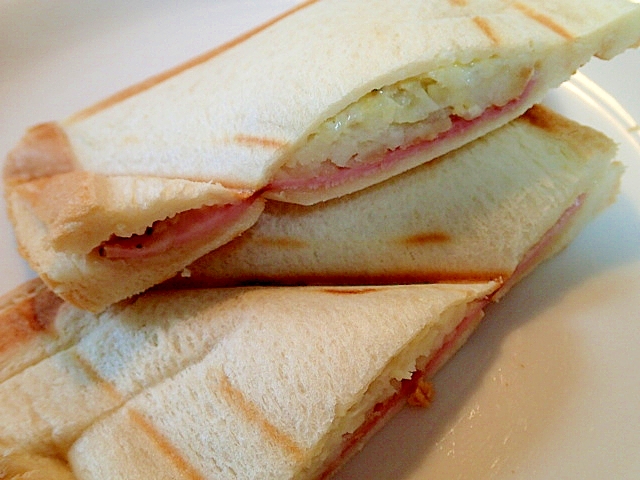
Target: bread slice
(239,113)
(64,223)
(113,356)
(475,213)
(17,464)
(133,348)
(237,122)
(34,324)
(259,364)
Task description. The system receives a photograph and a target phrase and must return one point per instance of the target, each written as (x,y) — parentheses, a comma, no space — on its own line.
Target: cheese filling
(414,110)
(404,382)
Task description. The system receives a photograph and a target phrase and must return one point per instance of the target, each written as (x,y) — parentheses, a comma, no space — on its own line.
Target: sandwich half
(269,382)
(487,211)
(136,187)
(275,382)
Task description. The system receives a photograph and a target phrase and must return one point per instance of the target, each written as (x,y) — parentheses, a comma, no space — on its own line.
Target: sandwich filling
(394,122)
(378,131)
(182,229)
(416,390)
(542,249)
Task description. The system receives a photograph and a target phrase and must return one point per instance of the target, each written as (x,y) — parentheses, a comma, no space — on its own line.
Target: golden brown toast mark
(252,141)
(152,81)
(28,317)
(485,28)
(425,238)
(458,3)
(544,20)
(165,446)
(95,377)
(252,414)
(584,139)
(544,119)
(61,199)
(44,151)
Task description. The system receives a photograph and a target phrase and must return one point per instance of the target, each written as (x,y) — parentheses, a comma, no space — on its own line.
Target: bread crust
(43,151)
(585,141)
(28,327)
(24,312)
(154,80)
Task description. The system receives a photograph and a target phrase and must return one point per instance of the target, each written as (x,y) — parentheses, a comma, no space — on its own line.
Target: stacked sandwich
(247,264)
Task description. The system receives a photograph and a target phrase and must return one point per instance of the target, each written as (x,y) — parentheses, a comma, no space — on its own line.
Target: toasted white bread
(29,329)
(236,121)
(17,464)
(233,383)
(62,222)
(260,363)
(475,213)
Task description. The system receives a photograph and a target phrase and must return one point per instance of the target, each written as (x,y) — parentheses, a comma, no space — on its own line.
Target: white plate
(549,386)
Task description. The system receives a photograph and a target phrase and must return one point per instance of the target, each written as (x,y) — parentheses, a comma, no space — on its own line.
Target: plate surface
(548,387)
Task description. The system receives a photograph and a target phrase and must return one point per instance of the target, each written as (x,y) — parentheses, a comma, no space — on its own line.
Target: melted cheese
(412,110)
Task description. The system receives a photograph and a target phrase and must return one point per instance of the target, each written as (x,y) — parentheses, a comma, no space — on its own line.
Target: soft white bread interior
(475,213)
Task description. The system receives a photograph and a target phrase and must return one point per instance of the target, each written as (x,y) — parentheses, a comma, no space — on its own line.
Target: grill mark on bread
(458,3)
(95,377)
(195,61)
(485,28)
(584,139)
(26,317)
(544,20)
(60,200)
(538,116)
(165,446)
(43,151)
(252,413)
(425,238)
(262,142)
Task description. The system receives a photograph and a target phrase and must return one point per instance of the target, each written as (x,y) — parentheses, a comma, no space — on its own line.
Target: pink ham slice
(535,254)
(184,228)
(188,226)
(329,175)
(384,410)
